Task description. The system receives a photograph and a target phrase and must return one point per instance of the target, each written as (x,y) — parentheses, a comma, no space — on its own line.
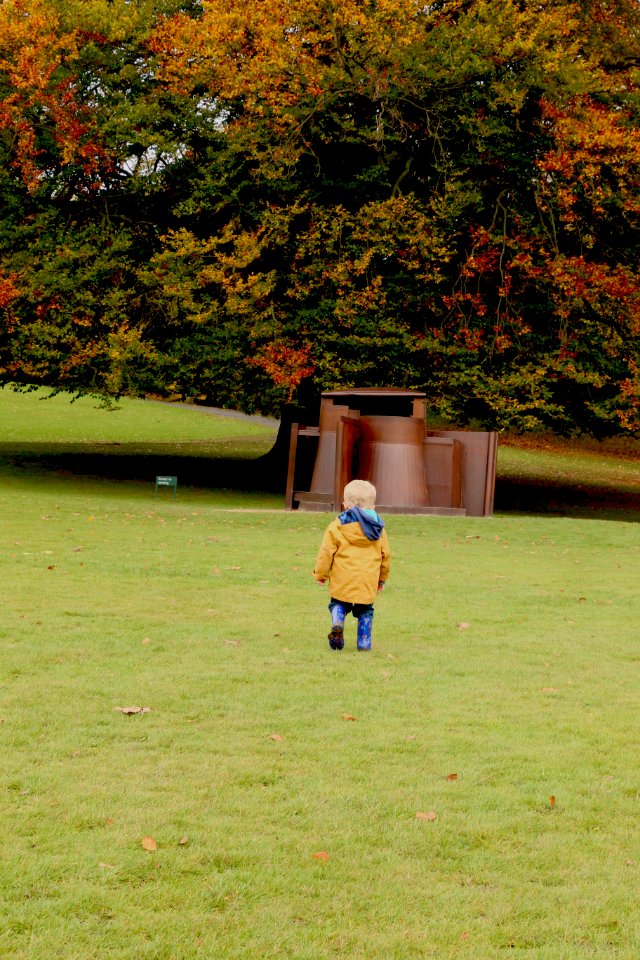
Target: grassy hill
(189,773)
(138,439)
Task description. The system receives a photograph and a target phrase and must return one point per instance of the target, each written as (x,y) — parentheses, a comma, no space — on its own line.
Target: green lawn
(467,790)
(39,418)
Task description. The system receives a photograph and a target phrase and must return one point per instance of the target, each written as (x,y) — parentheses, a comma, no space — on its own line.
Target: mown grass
(500,699)
(37,419)
(136,440)
(550,475)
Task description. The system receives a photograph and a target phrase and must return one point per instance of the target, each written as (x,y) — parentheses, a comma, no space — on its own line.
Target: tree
(440,196)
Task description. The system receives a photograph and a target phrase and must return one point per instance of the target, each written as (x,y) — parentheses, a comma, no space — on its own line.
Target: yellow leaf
(148,843)
(426,816)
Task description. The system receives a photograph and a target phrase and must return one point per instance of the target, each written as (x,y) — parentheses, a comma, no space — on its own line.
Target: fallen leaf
(276,736)
(77,549)
(183,841)
(348,716)
(451,776)
(431,815)
(129,710)
(232,643)
(549,689)
(321,855)
(552,801)
(234,568)
(146,640)
(148,843)
(463,626)
(51,566)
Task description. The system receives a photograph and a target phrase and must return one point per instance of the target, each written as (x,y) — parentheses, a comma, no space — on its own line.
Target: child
(354,555)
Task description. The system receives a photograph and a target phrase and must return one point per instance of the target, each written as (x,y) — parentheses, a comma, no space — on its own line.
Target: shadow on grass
(266,472)
(524,495)
(263,473)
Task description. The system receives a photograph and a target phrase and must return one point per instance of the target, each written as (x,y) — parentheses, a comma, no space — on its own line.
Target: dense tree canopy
(219,200)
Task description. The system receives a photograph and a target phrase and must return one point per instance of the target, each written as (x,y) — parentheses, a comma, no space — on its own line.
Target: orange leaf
(321,855)
(451,776)
(431,815)
(348,716)
(148,843)
(552,801)
(276,736)
(463,626)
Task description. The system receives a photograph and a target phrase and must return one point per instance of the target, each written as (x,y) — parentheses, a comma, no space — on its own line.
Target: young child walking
(355,557)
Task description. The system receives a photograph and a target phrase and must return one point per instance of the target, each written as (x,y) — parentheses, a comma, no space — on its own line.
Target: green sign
(171,482)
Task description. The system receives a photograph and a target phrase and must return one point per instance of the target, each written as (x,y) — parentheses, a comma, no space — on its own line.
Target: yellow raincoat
(353,564)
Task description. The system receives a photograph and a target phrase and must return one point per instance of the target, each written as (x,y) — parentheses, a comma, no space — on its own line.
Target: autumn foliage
(220,201)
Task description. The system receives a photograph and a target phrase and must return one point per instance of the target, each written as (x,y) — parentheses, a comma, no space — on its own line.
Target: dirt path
(231,414)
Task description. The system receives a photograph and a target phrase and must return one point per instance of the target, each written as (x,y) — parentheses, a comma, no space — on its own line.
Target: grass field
(467,790)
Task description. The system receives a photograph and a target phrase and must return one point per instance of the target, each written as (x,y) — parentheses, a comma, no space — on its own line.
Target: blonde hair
(360,493)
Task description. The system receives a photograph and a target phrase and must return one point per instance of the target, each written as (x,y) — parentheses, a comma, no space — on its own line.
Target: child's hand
(381,586)
(322,582)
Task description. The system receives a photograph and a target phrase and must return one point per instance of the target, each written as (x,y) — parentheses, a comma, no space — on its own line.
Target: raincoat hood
(372,526)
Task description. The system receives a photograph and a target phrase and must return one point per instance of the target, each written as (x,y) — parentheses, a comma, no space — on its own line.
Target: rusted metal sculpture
(379,434)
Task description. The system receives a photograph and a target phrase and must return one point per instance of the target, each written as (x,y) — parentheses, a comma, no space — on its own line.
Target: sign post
(171,482)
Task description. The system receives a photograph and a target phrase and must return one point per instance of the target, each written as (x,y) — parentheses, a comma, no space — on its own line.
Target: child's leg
(336,637)
(365,624)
